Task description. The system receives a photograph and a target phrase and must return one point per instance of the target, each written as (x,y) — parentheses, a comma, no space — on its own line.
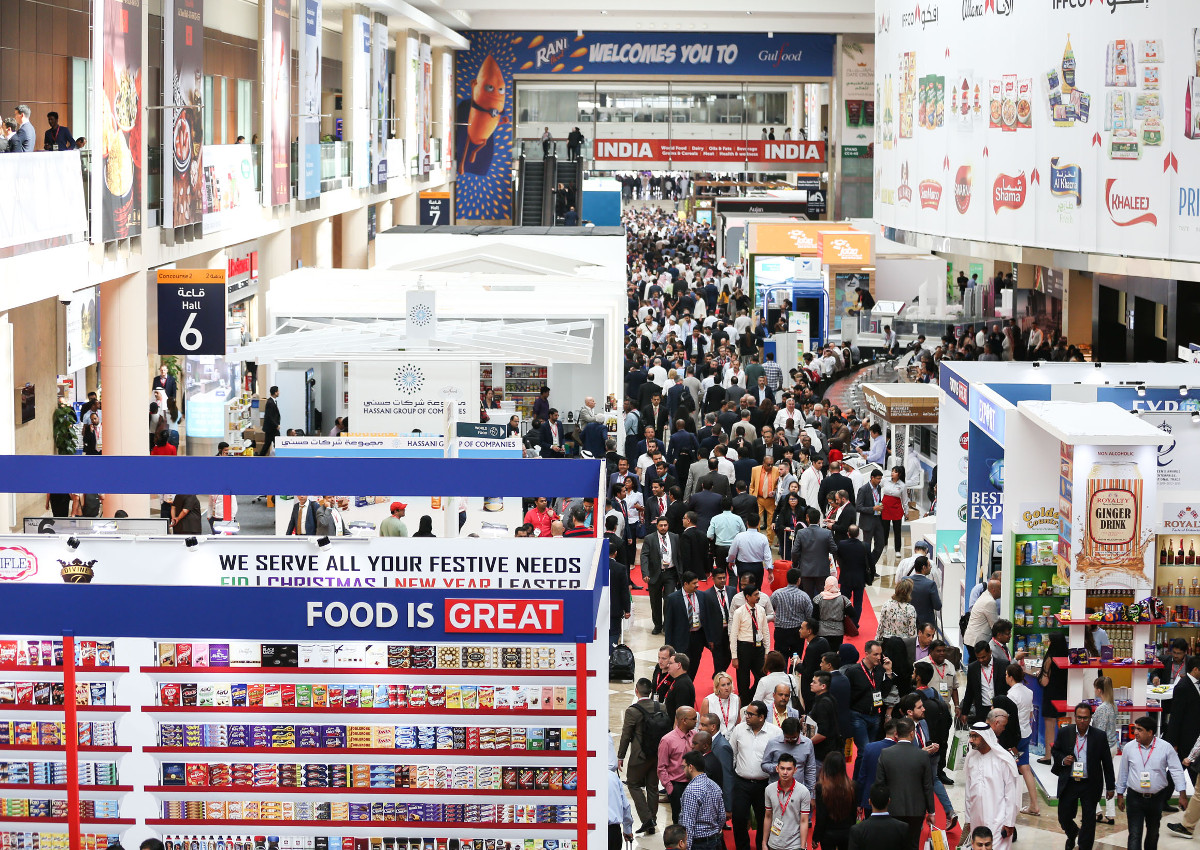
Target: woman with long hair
(836,809)
(892,515)
(1105,719)
(1053,680)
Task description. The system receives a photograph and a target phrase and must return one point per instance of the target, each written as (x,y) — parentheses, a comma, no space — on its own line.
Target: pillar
(274,259)
(125,305)
(353,226)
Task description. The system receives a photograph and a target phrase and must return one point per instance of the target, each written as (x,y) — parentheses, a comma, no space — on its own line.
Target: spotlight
(72,543)
(1141,391)
(1183,391)
(191,542)
(1098,365)
(1196,415)
(1037,364)
(1136,411)
(322,542)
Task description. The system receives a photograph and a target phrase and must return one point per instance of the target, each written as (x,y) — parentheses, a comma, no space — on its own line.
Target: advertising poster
(191,311)
(279,84)
(120,113)
(230,187)
(446,110)
(183,130)
(413,108)
(1060,125)
(359,119)
(83,329)
(308,185)
(379,102)
(425,113)
(1179,452)
(857,81)
(407,397)
(483,87)
(953,443)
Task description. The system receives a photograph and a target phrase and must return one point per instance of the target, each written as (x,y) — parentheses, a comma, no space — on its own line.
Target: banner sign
(425,109)
(83,329)
(183,130)
(434,446)
(117,25)
(403,397)
(1112,537)
(308,37)
(379,102)
(279,98)
(435,208)
(56,212)
(191,311)
(712,150)
(230,187)
(1061,124)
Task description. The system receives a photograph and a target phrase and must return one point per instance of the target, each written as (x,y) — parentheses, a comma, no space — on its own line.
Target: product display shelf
(28,671)
(1141,665)
(7,707)
(359,712)
(59,748)
(1066,707)
(376,826)
(63,821)
(276,790)
(1074,622)
(17,786)
(368,751)
(388,672)
(523,384)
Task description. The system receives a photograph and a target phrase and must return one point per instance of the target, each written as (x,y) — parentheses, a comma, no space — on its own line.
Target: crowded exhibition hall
(831,311)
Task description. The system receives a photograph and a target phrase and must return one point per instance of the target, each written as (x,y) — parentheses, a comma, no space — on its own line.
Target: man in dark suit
(270,422)
(832,483)
(1080,785)
(645,397)
(843,517)
(552,436)
(676,508)
(304,517)
(714,397)
(682,442)
(718,599)
(720,483)
(706,504)
(879,829)
(656,414)
(1183,726)
(811,549)
(852,570)
(812,647)
(925,596)
(870,505)
(745,505)
(986,669)
(656,502)
(675,393)
(687,624)
(906,770)
(620,603)
(694,556)
(641,776)
(661,471)
(660,567)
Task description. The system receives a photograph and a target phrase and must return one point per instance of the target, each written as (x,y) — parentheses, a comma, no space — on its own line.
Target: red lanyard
(691,604)
(779,720)
(987,674)
(1146,758)
(942,669)
(782,802)
(724,706)
(753,620)
(870,676)
(1081,745)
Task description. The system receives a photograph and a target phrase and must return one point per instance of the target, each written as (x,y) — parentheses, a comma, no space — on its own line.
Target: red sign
(962,188)
(1123,208)
(733,150)
(505,616)
(1008,193)
(931,194)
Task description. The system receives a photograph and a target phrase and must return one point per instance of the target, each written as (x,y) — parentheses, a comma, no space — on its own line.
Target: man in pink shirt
(541,516)
(671,750)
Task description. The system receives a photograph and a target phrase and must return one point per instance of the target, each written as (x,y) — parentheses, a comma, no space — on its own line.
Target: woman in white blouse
(723,702)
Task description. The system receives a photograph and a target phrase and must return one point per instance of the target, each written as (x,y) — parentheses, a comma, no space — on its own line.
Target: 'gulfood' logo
(1127,209)
(962,188)
(1008,193)
(77,571)
(410,379)
(1066,180)
(17,563)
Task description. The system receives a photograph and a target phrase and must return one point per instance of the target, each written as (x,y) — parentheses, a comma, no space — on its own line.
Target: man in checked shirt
(702,812)
(792,607)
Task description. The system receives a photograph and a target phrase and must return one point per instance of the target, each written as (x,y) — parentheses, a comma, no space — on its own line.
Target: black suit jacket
(1183,725)
(720,482)
(675,512)
(652,564)
(841,525)
(706,504)
(878,832)
(619,601)
(906,769)
(714,610)
(1099,761)
(677,624)
(810,663)
(652,510)
(546,438)
(868,520)
(693,552)
(833,482)
(972,701)
(660,422)
(270,416)
(852,563)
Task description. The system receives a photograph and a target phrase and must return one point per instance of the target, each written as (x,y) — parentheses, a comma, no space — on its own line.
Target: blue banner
(985,494)
(1153,399)
(954,386)
(987,415)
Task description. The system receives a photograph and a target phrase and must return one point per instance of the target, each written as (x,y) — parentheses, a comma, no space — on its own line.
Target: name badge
(878,698)
(1145,781)
(777,825)
(944,687)
(1077,770)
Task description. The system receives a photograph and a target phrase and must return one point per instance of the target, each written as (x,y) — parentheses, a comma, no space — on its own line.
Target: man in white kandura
(993,792)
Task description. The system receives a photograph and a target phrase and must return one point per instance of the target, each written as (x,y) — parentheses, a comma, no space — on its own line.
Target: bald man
(671,750)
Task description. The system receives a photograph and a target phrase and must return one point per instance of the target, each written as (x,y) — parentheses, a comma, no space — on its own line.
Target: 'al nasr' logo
(77,571)
(410,379)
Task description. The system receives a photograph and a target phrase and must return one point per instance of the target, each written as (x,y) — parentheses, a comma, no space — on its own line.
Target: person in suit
(1183,726)
(866,761)
(620,602)
(675,393)
(763,480)
(906,770)
(832,483)
(1083,764)
(925,596)
(718,599)
(870,505)
(853,569)
(696,471)
(985,679)
(270,422)
(305,514)
(657,502)
(656,414)
(660,567)
(711,724)
(706,504)
(812,647)
(879,829)
(676,508)
(720,483)
(687,620)
(661,471)
(694,556)
(743,504)
(922,641)
(682,442)
(642,774)
(552,436)
(841,517)
(812,548)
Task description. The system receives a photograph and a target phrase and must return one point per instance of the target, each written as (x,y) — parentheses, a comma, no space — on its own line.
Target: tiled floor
(1034,833)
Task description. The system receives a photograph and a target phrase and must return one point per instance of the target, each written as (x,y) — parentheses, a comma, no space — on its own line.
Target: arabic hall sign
(191,311)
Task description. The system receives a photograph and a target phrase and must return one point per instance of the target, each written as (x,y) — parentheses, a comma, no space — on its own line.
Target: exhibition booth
(1096,493)
(324,692)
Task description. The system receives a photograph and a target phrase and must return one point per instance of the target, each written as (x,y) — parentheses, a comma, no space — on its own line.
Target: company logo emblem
(77,571)
(1066,180)
(961,391)
(1008,193)
(420,315)
(1126,209)
(904,191)
(17,563)
(962,188)
(979,8)
(885,23)
(924,17)
(931,194)
(1189,201)
(1069,4)
(410,379)
(550,52)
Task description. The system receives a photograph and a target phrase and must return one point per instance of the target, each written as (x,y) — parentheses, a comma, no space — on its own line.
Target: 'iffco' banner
(483,87)
(728,150)
(183,132)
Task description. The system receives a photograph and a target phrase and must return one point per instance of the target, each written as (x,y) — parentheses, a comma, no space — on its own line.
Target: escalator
(535,191)
(570,174)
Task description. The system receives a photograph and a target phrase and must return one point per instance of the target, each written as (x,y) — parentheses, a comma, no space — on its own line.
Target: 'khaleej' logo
(420,315)
(410,379)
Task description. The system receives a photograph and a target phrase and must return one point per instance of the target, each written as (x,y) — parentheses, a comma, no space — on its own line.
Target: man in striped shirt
(792,607)
(703,807)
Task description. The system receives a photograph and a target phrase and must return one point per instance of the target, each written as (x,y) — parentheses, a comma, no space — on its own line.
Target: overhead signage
(918,410)
(481,430)
(793,238)
(308,41)
(758,206)
(279,99)
(717,150)
(987,415)
(191,311)
(182,129)
(1037,518)
(435,208)
(845,248)
(83,329)
(955,387)
(117,37)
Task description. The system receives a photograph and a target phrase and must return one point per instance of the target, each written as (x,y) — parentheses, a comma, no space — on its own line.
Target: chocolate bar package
(218,655)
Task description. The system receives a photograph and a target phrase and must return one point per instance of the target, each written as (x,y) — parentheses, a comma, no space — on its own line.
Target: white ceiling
(664,15)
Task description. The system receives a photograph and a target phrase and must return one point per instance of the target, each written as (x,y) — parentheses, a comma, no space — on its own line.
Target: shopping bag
(958,746)
(937,840)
